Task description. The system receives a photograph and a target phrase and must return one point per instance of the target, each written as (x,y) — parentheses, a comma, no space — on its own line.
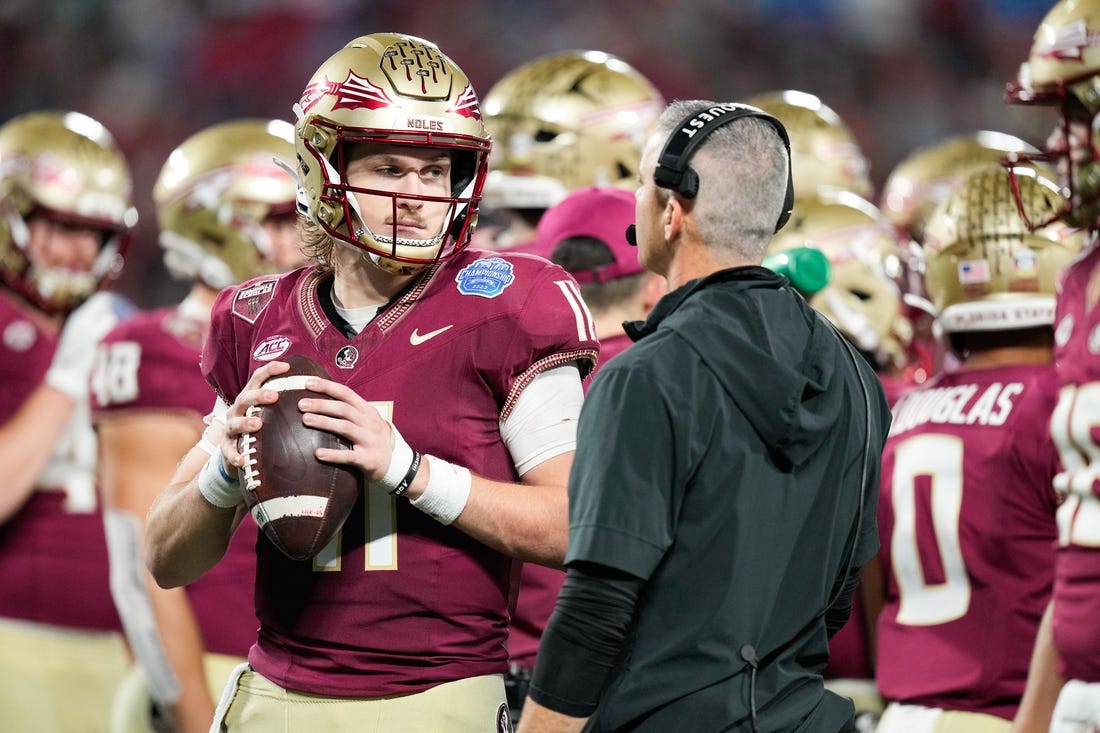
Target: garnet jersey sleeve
(550,326)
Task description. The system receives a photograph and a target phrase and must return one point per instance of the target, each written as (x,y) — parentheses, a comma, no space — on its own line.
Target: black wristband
(406,482)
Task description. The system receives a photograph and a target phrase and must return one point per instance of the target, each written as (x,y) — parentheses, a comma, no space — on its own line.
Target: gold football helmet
(985,270)
(871,271)
(1063,70)
(563,122)
(824,152)
(213,195)
(67,166)
(928,175)
(400,90)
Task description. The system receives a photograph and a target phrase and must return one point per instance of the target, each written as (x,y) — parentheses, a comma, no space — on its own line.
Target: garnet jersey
(151,362)
(53,552)
(1075,429)
(398,602)
(966,516)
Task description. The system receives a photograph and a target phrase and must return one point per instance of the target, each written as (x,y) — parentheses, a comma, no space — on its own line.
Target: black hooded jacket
(721,460)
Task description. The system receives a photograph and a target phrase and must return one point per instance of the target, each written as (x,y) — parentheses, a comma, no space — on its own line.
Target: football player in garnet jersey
(967,507)
(226,211)
(1063,71)
(457,379)
(66,216)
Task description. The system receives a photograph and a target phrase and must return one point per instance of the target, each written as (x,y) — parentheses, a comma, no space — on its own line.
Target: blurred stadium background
(901,73)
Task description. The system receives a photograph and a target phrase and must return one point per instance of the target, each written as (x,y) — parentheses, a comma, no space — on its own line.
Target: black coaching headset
(674,173)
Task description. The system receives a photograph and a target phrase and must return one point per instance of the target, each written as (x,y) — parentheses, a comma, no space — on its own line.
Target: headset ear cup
(689,184)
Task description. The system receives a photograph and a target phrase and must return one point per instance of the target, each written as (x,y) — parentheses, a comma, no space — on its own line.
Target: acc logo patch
(250,301)
(486,278)
(270,348)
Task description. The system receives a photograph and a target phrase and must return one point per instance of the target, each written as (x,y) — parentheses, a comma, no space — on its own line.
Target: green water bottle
(806,267)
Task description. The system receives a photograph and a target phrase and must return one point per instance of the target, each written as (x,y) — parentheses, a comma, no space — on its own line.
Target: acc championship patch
(486,278)
(250,301)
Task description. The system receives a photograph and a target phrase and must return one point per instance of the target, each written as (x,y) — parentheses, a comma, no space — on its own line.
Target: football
(299,502)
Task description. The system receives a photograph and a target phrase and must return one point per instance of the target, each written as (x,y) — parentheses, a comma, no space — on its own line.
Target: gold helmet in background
(985,270)
(1064,58)
(566,121)
(824,152)
(213,195)
(398,90)
(871,271)
(67,166)
(928,175)
(1063,70)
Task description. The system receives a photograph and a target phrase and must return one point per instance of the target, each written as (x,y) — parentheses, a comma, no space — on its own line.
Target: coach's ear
(673,218)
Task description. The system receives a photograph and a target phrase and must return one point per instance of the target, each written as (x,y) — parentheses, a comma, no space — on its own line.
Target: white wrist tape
(400,460)
(217,486)
(447,492)
(207,445)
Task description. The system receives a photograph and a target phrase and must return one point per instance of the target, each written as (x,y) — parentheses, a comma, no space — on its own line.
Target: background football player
(928,175)
(65,219)
(473,357)
(1063,71)
(560,122)
(226,213)
(967,508)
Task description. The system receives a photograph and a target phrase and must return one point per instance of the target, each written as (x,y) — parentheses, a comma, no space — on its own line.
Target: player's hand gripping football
(238,422)
(347,414)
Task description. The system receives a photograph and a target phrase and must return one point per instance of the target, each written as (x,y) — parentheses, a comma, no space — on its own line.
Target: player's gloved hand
(72,362)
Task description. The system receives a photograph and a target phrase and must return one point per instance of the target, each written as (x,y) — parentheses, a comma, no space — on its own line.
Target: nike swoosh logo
(418,338)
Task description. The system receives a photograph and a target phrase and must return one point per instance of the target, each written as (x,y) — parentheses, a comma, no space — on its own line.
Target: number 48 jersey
(966,517)
(150,363)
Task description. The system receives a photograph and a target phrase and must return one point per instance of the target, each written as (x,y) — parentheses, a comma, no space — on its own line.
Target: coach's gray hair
(742,168)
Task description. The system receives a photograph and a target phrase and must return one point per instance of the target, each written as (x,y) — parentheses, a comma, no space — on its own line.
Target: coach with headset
(725,484)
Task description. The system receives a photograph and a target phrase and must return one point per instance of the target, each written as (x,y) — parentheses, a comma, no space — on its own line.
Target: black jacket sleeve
(584,638)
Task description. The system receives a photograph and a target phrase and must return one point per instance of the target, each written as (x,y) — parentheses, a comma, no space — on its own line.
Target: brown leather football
(299,502)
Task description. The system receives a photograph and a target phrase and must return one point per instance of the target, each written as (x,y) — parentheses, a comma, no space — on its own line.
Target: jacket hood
(773,340)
